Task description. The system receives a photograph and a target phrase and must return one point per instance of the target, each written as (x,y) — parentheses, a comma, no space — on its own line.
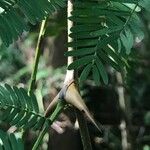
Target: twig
(126,137)
(86,141)
(71,94)
(37,56)
(71,75)
(36,62)
(48,123)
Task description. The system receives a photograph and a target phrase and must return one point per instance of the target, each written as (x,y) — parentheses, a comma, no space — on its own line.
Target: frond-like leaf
(103,32)
(19,109)
(15,14)
(10,141)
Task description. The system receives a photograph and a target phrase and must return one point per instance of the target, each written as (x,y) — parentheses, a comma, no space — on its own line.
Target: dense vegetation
(109,41)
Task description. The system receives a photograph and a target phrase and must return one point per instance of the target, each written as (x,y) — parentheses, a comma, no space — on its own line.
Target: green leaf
(103,30)
(106,30)
(18,108)
(10,141)
(145,4)
(39,123)
(85,72)
(13,140)
(96,75)
(80,52)
(102,70)
(81,62)
(109,60)
(17,14)
(4,139)
(115,56)
(127,40)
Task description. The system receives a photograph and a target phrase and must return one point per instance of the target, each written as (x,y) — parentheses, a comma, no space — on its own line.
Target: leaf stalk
(37,56)
(48,123)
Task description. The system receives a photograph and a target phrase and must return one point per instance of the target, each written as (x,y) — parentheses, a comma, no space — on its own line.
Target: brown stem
(71,94)
(71,76)
(83,131)
(125,120)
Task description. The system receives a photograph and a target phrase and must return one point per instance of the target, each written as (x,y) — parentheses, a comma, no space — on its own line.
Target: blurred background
(123,108)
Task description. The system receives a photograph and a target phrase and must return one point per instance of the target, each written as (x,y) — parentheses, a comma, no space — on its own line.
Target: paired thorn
(70,94)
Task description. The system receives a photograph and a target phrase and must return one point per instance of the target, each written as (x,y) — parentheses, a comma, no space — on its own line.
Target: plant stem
(48,123)
(72,74)
(40,137)
(34,73)
(86,141)
(37,56)
(129,18)
(36,60)
(125,123)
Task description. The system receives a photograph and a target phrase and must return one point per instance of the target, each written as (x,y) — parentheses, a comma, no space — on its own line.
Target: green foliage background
(104,34)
